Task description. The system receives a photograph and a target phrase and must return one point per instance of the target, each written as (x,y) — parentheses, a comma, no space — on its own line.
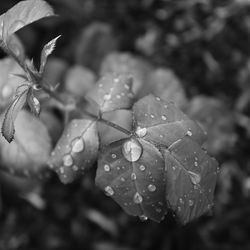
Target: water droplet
(122,179)
(113,156)
(109,191)
(75,168)
(118,96)
(35,100)
(190,203)
(196,164)
(132,150)
(106,168)
(126,86)
(141,132)
(67,160)
(189,133)
(142,167)
(61,169)
(77,145)
(181,201)
(163,117)
(107,97)
(133,176)
(151,188)
(7,91)
(137,198)
(158,99)
(195,178)
(143,217)
(152,116)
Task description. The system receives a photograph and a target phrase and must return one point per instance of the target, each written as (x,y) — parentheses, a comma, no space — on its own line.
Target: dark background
(206,44)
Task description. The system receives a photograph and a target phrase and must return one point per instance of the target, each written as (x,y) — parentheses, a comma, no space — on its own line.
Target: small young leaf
(47,50)
(131,171)
(191,177)
(163,122)
(76,150)
(33,103)
(8,129)
(29,152)
(22,14)
(112,92)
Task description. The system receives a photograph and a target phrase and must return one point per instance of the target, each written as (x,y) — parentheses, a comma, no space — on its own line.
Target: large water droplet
(109,191)
(77,145)
(67,160)
(137,198)
(141,132)
(132,150)
(151,188)
(106,168)
(195,178)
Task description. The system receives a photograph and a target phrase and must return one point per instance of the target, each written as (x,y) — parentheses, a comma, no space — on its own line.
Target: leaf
(29,152)
(76,150)
(22,14)
(112,92)
(191,177)
(46,51)
(33,103)
(131,171)
(8,129)
(163,123)
(8,80)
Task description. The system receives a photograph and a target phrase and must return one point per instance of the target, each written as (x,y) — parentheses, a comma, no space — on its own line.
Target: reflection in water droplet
(189,133)
(67,160)
(163,117)
(143,217)
(190,203)
(141,132)
(77,145)
(137,198)
(106,168)
(142,167)
(195,178)
(196,164)
(158,98)
(109,191)
(151,188)
(132,150)
(133,176)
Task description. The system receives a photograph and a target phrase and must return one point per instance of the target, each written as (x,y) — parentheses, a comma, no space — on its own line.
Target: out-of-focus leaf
(8,128)
(131,171)
(22,14)
(163,123)
(46,51)
(76,150)
(9,81)
(190,178)
(112,92)
(124,63)
(30,150)
(79,80)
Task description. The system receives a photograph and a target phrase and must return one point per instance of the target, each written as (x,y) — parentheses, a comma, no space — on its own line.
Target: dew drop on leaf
(142,167)
(109,191)
(195,178)
(151,188)
(78,145)
(106,168)
(189,133)
(132,150)
(141,132)
(133,176)
(67,160)
(137,198)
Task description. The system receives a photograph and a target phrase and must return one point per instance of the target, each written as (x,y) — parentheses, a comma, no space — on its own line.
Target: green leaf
(30,150)
(163,123)
(190,177)
(131,171)
(112,92)
(76,150)
(46,51)
(8,129)
(22,14)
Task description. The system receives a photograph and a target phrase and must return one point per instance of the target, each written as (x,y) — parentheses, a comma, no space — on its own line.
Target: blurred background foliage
(193,52)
